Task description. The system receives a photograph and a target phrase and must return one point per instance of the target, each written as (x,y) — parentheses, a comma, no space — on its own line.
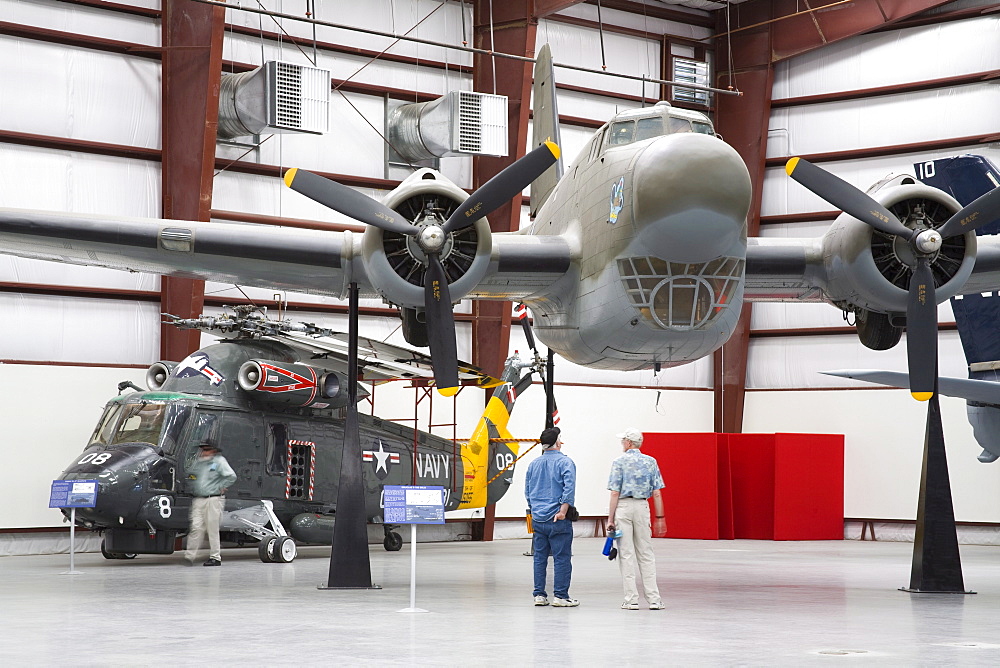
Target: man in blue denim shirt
(550,488)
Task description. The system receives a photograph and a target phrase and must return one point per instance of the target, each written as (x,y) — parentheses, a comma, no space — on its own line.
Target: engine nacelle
(299,385)
(394,262)
(158,373)
(871,270)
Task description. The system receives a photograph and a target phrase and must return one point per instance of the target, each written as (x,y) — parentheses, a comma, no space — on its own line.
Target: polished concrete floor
(729,603)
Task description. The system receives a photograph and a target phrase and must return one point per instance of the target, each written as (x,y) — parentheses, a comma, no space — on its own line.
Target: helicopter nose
(691,194)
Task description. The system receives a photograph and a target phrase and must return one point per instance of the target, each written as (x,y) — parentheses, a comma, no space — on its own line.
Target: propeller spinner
(431,239)
(921,306)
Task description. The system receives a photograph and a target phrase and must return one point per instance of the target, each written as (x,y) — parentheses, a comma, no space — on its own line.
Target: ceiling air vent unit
(460,123)
(275,97)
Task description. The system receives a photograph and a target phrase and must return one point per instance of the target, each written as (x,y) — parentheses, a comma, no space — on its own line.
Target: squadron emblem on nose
(617,200)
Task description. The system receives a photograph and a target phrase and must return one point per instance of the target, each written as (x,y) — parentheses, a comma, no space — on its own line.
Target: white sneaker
(565,602)
(541,600)
(630,606)
(659,605)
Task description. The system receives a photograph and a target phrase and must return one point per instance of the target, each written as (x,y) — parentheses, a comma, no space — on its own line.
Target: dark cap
(550,436)
(208,445)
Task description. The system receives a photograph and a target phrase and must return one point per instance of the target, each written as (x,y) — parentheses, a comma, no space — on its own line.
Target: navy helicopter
(270,395)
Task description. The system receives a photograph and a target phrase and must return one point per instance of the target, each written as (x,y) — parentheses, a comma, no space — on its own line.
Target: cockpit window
(105,426)
(621,133)
(173,426)
(647,128)
(679,125)
(703,128)
(140,423)
(205,429)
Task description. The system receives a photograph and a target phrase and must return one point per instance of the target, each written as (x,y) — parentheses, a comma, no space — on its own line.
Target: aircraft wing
(978,391)
(246,254)
(785,270)
(780,269)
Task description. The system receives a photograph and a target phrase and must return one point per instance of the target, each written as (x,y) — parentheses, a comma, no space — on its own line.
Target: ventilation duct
(460,123)
(275,97)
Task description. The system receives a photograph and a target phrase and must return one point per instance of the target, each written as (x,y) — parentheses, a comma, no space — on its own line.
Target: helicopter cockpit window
(204,429)
(140,423)
(647,128)
(621,133)
(173,426)
(105,427)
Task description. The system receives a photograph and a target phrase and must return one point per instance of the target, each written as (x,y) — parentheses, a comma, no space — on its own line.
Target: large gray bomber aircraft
(638,256)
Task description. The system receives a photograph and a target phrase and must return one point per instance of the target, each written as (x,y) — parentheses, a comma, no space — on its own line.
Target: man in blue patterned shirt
(550,488)
(634,478)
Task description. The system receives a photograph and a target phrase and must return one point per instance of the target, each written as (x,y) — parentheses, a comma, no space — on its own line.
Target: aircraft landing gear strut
(276,546)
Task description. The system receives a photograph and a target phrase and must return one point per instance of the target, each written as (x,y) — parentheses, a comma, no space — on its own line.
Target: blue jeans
(555,538)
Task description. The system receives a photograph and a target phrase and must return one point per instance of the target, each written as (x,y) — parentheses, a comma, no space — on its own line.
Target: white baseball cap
(632,434)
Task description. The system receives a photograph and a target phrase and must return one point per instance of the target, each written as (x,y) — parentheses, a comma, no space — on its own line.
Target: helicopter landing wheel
(284,550)
(266,550)
(393,542)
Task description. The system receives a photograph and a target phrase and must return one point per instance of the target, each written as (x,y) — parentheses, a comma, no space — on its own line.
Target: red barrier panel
(760,486)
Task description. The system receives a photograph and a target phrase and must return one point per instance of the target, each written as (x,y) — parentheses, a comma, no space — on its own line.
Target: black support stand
(350,567)
(937,566)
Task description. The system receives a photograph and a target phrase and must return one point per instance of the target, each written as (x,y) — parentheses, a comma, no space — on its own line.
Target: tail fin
(489,464)
(545,116)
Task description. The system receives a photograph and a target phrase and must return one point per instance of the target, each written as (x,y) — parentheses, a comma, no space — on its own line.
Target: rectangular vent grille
(690,71)
(482,124)
(300,473)
(300,98)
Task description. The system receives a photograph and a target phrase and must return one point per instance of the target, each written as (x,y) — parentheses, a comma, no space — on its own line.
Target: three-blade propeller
(921,307)
(431,239)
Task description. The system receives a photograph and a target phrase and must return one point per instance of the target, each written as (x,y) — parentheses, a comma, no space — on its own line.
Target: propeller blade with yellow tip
(503,187)
(845,197)
(921,332)
(347,201)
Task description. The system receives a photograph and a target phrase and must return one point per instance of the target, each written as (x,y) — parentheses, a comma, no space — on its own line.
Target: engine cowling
(870,270)
(394,262)
(283,384)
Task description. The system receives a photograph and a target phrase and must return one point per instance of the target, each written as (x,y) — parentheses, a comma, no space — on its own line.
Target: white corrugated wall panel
(438,22)
(796,361)
(785,315)
(893,57)
(79,93)
(69,329)
(960,111)
(624,54)
(80,19)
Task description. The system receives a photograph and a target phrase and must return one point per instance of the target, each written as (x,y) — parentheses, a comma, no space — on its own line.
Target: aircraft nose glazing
(690,197)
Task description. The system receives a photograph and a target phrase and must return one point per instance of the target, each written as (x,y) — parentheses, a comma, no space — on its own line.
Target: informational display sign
(73,494)
(413,504)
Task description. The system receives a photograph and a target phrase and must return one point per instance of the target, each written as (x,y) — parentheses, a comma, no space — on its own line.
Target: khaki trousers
(205,515)
(635,548)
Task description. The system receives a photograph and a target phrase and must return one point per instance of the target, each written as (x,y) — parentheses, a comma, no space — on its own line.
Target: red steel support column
(505,27)
(192,68)
(743,121)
